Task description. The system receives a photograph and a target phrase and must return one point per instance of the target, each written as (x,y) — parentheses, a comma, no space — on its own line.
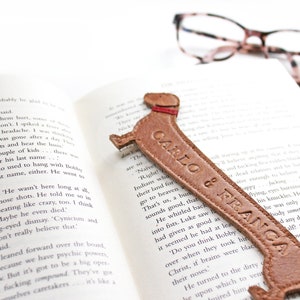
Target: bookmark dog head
(159,103)
(161,140)
(161,100)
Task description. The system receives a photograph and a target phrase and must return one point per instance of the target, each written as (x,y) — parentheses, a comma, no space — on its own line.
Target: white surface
(82,44)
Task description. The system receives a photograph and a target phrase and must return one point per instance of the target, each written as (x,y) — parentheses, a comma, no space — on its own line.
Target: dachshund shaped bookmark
(160,139)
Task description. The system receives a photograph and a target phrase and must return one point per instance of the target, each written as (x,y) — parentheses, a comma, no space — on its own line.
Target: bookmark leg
(259,293)
(121,141)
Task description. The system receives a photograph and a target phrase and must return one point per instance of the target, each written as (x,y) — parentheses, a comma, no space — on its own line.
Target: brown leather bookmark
(160,139)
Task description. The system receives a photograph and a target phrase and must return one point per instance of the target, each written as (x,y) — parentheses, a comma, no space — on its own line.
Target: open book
(81,220)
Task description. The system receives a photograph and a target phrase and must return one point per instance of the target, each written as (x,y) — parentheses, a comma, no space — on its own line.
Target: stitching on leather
(268,262)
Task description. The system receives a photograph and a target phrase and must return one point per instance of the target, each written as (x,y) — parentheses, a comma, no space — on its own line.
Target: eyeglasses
(209,37)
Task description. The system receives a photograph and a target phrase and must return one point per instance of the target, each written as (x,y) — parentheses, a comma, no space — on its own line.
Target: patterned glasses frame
(231,46)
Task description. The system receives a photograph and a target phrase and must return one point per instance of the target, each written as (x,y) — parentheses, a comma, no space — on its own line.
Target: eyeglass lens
(200,34)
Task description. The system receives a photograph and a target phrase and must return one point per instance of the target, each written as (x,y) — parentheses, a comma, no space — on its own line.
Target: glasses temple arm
(208,35)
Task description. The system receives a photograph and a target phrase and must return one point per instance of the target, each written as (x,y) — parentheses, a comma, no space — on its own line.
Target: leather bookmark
(161,140)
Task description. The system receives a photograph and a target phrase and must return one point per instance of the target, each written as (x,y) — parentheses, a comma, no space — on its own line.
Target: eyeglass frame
(240,45)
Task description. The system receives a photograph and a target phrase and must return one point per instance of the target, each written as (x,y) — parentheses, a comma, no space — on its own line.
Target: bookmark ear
(161,99)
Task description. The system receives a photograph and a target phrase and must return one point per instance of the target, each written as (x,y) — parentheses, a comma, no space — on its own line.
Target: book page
(56,237)
(245,121)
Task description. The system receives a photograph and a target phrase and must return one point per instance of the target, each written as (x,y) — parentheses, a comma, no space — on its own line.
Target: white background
(80,45)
